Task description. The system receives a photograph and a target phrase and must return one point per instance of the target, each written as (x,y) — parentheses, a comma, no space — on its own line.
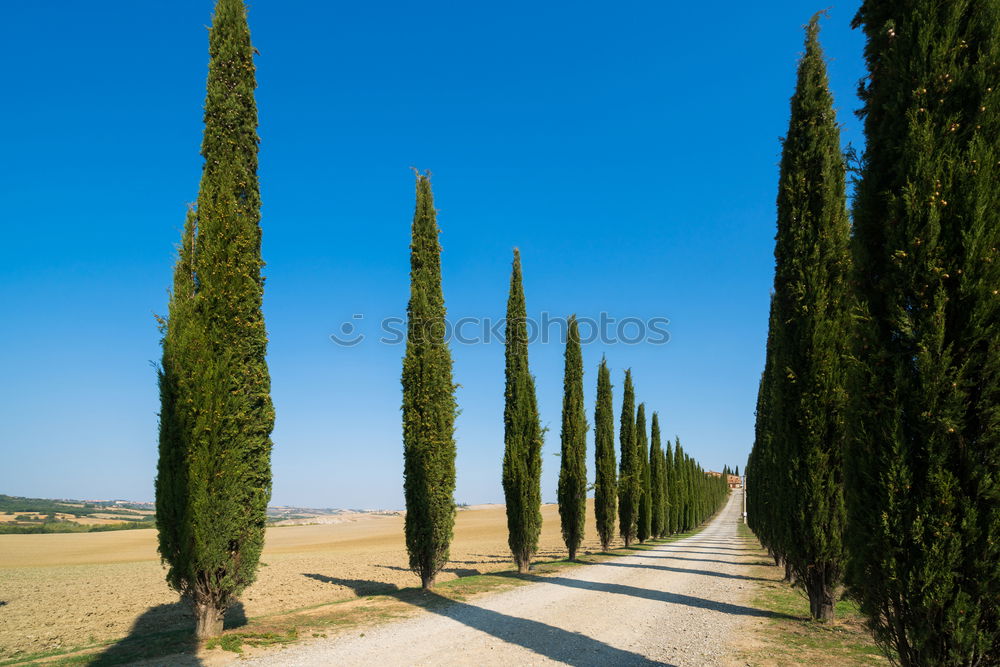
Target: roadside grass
(376,603)
(799,640)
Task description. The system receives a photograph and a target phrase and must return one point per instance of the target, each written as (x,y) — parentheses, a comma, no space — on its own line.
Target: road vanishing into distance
(676,604)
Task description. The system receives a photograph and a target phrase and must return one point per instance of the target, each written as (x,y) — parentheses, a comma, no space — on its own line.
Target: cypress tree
(657,478)
(605,483)
(644,520)
(428,402)
(669,493)
(573,464)
(213,478)
(812,330)
(664,497)
(522,460)
(629,470)
(923,487)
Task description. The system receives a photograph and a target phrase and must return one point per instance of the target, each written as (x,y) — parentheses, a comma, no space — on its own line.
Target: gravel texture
(677,604)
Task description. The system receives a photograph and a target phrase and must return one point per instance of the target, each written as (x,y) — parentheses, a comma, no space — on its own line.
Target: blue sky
(629,150)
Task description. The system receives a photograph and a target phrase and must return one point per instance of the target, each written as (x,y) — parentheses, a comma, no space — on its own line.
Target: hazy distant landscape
(19,515)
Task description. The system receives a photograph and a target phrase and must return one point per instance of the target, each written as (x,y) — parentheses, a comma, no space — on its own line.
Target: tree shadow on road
(682,570)
(571,648)
(659,596)
(710,560)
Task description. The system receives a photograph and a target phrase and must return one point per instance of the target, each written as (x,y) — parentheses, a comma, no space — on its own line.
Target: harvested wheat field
(68,590)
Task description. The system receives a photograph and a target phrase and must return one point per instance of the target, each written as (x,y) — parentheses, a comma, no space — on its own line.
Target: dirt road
(677,604)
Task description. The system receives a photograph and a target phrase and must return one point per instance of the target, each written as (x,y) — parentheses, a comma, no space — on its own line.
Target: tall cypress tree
(213,478)
(428,402)
(656,474)
(573,464)
(923,488)
(644,519)
(522,459)
(605,483)
(669,492)
(629,470)
(811,332)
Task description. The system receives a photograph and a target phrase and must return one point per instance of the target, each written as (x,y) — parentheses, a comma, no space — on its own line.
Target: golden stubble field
(61,591)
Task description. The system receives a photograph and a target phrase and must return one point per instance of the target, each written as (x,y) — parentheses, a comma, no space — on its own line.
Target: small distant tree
(644,520)
(573,464)
(428,402)
(522,461)
(629,470)
(605,484)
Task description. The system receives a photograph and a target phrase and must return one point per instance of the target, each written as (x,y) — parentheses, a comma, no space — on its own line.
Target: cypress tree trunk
(811,332)
(629,470)
(605,484)
(923,488)
(213,478)
(428,402)
(644,519)
(522,461)
(656,479)
(573,463)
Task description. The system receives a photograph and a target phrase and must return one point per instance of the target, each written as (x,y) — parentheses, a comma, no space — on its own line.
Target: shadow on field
(457,571)
(164,631)
(685,570)
(361,587)
(571,648)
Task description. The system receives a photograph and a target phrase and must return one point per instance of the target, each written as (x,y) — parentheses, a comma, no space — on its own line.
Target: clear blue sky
(628,149)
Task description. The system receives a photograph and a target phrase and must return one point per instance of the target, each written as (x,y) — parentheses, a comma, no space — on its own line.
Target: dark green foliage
(923,483)
(630,469)
(810,335)
(573,463)
(522,460)
(428,402)
(657,477)
(644,518)
(213,478)
(737,473)
(670,489)
(605,483)
(768,477)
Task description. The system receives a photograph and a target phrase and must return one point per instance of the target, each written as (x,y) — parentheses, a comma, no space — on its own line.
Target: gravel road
(678,604)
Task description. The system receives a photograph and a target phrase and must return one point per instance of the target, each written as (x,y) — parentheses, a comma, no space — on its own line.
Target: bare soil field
(61,591)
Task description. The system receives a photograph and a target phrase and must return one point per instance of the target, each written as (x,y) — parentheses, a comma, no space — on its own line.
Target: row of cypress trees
(878,419)
(657,491)
(213,478)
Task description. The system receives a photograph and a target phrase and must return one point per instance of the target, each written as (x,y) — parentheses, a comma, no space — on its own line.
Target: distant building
(735,481)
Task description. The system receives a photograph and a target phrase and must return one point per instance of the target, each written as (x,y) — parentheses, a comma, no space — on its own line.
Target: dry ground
(61,591)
